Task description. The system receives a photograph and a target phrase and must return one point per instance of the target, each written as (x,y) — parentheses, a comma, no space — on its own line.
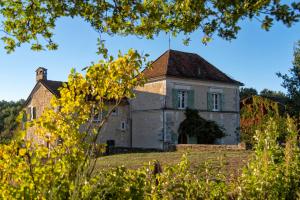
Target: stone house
(176,80)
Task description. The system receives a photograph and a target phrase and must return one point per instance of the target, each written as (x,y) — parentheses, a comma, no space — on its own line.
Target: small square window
(123,126)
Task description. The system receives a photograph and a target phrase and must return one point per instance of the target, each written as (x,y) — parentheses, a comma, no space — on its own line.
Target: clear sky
(253,58)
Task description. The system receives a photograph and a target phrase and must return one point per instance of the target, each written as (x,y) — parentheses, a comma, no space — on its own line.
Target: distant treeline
(8,115)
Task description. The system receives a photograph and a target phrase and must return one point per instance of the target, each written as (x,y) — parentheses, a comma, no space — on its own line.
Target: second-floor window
(215,101)
(182,99)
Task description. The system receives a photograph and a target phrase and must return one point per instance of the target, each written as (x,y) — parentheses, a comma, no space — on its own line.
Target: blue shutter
(175,98)
(209,101)
(191,98)
(222,102)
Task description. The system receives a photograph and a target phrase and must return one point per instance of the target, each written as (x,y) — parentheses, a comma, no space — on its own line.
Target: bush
(273,172)
(206,131)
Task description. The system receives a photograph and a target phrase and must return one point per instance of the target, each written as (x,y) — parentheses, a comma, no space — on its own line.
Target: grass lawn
(233,160)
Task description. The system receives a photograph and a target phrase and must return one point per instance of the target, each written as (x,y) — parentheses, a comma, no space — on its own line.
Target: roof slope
(186,65)
(52,86)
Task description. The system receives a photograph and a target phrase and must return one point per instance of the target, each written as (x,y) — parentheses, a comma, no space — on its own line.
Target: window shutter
(175,98)
(209,101)
(34,113)
(191,97)
(221,102)
(28,113)
(24,117)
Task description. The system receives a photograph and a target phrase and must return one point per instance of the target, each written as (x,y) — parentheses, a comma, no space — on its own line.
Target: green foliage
(34,21)
(274,170)
(206,131)
(292,84)
(174,182)
(63,169)
(247,92)
(277,96)
(255,112)
(8,118)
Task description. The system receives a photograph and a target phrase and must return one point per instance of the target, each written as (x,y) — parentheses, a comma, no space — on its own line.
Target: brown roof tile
(186,65)
(52,86)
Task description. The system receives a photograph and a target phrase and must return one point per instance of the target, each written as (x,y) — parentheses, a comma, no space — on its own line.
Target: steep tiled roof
(186,65)
(52,86)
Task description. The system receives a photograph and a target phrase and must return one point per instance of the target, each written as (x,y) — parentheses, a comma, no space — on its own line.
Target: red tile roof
(186,65)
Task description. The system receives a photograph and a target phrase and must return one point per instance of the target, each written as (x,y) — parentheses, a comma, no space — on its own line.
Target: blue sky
(253,58)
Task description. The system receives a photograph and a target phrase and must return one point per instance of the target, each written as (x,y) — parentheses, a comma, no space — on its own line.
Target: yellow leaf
(22,152)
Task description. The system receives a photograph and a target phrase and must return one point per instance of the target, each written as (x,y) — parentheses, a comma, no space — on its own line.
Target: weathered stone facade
(152,118)
(155,120)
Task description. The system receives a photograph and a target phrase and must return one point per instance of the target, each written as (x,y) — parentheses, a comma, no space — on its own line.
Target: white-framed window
(32,113)
(216,102)
(182,99)
(123,126)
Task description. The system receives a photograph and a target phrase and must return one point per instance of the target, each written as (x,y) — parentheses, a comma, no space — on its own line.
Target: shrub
(274,170)
(206,131)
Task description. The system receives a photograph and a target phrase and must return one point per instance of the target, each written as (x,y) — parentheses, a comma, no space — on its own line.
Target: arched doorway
(182,139)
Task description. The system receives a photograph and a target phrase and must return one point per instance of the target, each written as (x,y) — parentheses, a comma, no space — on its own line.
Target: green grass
(233,160)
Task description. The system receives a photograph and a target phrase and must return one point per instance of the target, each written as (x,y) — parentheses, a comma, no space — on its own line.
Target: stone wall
(147,115)
(112,129)
(207,147)
(228,118)
(40,99)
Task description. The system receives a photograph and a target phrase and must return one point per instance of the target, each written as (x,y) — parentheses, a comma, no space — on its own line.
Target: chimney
(41,74)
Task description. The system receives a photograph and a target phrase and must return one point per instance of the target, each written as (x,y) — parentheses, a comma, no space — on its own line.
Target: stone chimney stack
(41,74)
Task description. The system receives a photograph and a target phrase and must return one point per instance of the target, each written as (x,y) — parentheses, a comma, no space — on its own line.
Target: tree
(31,21)
(247,92)
(255,111)
(274,95)
(64,168)
(292,83)
(8,115)
(206,131)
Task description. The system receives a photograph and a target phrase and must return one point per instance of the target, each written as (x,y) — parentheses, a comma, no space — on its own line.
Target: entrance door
(182,139)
